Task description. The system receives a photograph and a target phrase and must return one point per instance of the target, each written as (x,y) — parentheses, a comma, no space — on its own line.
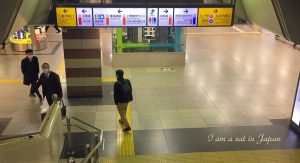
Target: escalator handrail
(32,134)
(12,20)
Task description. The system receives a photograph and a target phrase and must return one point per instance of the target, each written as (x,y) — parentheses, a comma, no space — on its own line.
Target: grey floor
(238,76)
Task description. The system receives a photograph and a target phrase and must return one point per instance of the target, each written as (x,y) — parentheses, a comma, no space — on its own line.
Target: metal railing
(42,126)
(94,150)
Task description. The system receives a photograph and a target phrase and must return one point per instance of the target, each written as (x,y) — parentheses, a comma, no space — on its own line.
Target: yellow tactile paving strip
(109,79)
(125,142)
(256,156)
(10,81)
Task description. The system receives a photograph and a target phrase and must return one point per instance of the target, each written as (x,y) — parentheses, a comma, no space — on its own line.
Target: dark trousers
(34,90)
(49,99)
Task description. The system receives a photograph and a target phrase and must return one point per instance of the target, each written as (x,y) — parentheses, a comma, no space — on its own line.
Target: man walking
(50,83)
(122,96)
(30,70)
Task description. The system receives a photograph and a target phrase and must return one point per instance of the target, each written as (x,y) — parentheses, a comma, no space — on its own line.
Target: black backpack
(126,89)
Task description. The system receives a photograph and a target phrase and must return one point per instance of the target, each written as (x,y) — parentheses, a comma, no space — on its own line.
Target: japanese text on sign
(66,16)
(165,17)
(185,17)
(215,16)
(84,17)
(108,17)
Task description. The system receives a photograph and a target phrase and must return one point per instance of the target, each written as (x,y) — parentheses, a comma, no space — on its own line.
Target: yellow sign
(215,16)
(66,16)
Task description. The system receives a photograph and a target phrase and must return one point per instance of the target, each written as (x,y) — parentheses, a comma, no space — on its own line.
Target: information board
(185,17)
(66,16)
(152,17)
(296,109)
(215,16)
(117,17)
(84,17)
(143,17)
(165,17)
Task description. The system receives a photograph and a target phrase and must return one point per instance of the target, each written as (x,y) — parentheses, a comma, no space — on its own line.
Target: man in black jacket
(50,83)
(30,69)
(122,96)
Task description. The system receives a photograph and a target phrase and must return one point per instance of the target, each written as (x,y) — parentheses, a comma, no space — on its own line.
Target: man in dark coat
(50,83)
(122,96)
(30,70)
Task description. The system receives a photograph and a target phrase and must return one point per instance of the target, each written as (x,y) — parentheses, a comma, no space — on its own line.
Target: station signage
(165,17)
(152,17)
(66,16)
(185,17)
(215,16)
(118,17)
(84,17)
(143,17)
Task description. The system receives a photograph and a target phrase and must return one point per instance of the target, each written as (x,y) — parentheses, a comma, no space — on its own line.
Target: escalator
(19,13)
(288,16)
(278,16)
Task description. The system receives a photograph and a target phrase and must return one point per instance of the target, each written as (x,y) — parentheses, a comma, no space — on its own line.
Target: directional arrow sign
(120,17)
(84,17)
(165,17)
(215,11)
(185,17)
(66,16)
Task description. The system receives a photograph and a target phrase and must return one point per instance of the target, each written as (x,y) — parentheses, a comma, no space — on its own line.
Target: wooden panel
(84,91)
(74,72)
(72,34)
(83,72)
(72,53)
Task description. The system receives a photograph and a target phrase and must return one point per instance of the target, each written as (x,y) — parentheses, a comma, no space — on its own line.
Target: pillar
(83,62)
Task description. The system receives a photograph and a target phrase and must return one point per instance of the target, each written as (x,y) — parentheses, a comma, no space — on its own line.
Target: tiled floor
(260,156)
(237,76)
(14,100)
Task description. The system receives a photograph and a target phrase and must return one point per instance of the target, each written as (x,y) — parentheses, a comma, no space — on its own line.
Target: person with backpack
(122,96)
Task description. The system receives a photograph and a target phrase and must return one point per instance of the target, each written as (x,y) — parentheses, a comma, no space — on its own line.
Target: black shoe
(32,95)
(127,129)
(121,122)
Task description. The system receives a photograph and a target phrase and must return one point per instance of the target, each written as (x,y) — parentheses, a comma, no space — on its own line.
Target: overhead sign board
(185,17)
(84,17)
(143,17)
(117,17)
(152,17)
(165,17)
(215,16)
(296,109)
(66,16)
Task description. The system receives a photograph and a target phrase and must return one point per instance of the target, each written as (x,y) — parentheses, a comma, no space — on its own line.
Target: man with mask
(50,83)
(30,70)
(122,96)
